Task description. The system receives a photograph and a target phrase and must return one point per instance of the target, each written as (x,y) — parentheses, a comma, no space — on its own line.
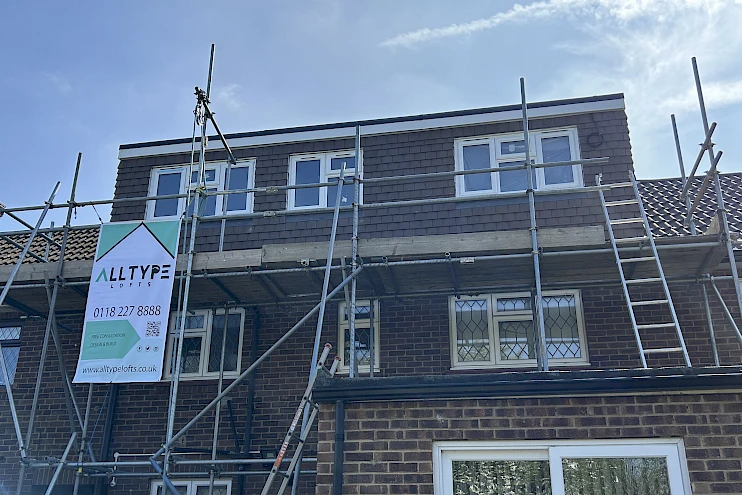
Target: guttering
(528,384)
(411,123)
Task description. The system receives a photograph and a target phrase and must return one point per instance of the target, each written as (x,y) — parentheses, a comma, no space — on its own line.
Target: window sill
(200,378)
(526,365)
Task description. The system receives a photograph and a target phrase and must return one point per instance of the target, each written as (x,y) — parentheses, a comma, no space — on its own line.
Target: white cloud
(618,10)
(58,81)
(229,97)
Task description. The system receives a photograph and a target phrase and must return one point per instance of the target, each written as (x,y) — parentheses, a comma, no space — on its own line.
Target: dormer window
(507,150)
(217,177)
(317,168)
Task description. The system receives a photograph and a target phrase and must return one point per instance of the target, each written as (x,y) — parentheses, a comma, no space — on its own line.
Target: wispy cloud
(229,96)
(58,81)
(619,10)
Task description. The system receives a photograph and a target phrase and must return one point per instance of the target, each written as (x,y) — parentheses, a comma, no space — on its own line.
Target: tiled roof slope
(81,244)
(666,211)
(661,200)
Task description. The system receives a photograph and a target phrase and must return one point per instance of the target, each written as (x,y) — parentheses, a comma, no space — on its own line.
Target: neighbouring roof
(661,199)
(666,212)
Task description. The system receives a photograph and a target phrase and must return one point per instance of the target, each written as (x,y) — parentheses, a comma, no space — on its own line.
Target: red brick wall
(388,445)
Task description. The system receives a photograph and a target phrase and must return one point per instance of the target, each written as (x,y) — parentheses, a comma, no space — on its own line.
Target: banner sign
(126,318)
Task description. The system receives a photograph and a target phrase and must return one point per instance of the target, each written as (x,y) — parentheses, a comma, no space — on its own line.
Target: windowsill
(530,364)
(193,378)
(345,371)
(491,194)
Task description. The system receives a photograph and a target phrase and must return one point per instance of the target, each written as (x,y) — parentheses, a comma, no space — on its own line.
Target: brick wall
(395,154)
(388,445)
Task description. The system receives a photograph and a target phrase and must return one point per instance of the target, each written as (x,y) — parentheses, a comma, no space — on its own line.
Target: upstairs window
(365,331)
(509,150)
(497,330)
(202,344)
(217,177)
(317,168)
(10,338)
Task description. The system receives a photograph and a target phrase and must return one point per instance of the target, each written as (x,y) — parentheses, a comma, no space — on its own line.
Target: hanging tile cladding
(390,155)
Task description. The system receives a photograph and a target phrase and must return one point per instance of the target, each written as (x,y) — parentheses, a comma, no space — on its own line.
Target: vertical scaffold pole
(321,316)
(352,365)
(50,321)
(3,365)
(722,212)
(187,285)
(542,357)
(83,441)
(218,410)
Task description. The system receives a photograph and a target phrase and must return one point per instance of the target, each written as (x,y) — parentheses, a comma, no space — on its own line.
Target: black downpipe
(337,470)
(250,394)
(101,488)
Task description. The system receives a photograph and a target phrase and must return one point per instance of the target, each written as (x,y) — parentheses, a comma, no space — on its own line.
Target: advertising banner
(126,318)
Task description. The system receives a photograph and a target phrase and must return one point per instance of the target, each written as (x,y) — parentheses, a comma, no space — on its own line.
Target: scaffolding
(161,463)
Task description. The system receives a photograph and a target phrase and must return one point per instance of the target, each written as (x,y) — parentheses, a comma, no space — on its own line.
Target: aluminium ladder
(302,436)
(627,266)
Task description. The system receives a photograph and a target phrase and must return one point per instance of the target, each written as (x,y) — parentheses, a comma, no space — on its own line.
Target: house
(459,401)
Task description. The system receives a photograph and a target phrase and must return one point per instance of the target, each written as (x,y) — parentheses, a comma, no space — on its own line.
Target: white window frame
(219,184)
(672,449)
(203,373)
(536,152)
(325,173)
(493,317)
(192,485)
(11,344)
(344,325)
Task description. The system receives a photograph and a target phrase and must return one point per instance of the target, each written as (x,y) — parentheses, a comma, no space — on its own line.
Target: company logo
(134,275)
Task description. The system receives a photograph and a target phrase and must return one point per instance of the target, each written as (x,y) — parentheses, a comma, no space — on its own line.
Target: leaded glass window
(498,329)
(367,317)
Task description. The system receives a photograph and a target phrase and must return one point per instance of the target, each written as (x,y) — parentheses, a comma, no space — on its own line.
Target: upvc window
(217,177)
(10,338)
(621,467)
(507,150)
(321,167)
(498,330)
(202,344)
(364,327)
(193,487)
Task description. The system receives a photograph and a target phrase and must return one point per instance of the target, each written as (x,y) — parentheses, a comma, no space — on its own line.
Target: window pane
(501,478)
(190,359)
(307,172)
(237,180)
(515,180)
(11,362)
(218,490)
(346,195)
(477,157)
(617,476)
(513,304)
(207,205)
(167,183)
(337,163)
(192,322)
(182,489)
(512,147)
(363,346)
(231,349)
(560,322)
(516,339)
(472,334)
(10,333)
(556,149)
(209,174)
(363,311)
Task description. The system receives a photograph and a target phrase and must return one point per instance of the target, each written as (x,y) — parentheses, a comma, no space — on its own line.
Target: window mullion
(493,333)
(494,164)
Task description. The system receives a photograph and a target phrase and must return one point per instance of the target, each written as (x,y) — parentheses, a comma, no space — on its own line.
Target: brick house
(444,319)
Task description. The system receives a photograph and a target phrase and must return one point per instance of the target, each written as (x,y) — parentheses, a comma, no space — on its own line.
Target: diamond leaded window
(498,330)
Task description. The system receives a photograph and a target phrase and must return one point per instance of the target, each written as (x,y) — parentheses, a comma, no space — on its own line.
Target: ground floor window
(194,487)
(10,338)
(604,467)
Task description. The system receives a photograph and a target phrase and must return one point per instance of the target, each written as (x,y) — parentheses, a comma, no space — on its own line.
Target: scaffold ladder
(627,266)
(303,433)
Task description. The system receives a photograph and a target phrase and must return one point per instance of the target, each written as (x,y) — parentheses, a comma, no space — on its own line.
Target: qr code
(153,328)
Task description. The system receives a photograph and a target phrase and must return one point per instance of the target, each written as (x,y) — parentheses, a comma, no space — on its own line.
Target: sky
(87,76)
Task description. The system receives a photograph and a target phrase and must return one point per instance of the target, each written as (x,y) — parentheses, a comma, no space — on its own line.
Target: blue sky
(88,76)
